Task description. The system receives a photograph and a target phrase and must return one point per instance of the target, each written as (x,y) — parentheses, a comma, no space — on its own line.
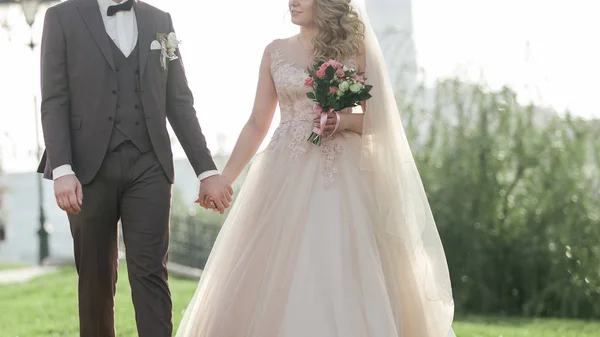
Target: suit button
(118,106)
(114,91)
(117,70)
(110,118)
(136,106)
(137,122)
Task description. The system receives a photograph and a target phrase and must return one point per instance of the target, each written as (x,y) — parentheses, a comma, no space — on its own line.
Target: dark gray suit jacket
(79,86)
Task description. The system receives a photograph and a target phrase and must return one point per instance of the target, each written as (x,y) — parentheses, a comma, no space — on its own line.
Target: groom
(107,92)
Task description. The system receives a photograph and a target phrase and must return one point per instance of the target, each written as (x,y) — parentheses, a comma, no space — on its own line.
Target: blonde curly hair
(341,30)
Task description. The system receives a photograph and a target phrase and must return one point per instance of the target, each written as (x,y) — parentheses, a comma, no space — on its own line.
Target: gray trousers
(132,187)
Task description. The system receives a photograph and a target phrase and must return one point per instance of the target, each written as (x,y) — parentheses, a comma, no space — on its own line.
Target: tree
(514,191)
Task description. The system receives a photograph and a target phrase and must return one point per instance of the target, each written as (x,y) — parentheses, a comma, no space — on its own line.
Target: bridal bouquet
(335,88)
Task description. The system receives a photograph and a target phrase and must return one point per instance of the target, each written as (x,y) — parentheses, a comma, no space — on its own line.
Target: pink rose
(335,64)
(340,72)
(320,73)
(309,82)
(317,109)
(358,78)
(333,90)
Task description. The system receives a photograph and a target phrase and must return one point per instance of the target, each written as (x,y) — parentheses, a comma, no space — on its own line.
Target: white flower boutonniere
(168,47)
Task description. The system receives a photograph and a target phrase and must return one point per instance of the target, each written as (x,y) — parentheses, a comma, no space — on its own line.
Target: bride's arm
(258,124)
(354,122)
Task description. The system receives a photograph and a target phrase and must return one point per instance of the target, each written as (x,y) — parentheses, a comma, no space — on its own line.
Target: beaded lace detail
(297,117)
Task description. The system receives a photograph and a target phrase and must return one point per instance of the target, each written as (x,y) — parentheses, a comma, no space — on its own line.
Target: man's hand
(68,193)
(219,189)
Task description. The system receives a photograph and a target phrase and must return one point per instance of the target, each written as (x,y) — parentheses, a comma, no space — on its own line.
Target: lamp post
(30,9)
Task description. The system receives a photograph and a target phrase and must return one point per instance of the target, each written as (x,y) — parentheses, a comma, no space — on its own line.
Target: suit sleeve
(55,91)
(182,117)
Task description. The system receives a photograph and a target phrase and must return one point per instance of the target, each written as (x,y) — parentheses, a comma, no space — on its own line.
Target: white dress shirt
(122,29)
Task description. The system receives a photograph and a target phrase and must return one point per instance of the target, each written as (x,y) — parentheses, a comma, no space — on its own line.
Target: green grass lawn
(48,307)
(9,265)
(524,327)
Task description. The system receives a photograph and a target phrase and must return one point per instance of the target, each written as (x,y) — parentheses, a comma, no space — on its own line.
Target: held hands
(215,193)
(69,194)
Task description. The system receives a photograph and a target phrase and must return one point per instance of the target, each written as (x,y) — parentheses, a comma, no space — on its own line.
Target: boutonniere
(168,44)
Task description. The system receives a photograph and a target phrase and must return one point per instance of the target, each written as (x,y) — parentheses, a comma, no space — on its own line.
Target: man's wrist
(207,174)
(61,171)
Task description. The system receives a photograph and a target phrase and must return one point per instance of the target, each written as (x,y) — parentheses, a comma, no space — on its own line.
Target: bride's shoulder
(277,48)
(272,46)
(272,50)
(278,44)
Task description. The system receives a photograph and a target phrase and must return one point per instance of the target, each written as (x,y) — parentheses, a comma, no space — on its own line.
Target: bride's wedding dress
(300,254)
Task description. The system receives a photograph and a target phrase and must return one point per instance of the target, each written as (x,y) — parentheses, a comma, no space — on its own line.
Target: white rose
(356,87)
(172,41)
(344,86)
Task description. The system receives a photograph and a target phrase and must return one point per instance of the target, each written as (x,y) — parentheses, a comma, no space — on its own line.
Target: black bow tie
(125,6)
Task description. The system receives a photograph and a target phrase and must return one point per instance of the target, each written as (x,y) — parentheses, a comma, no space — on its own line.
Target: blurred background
(498,98)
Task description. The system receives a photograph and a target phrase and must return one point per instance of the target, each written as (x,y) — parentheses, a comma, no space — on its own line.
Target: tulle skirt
(300,255)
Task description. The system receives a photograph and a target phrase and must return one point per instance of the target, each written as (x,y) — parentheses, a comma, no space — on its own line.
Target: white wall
(21,212)
(20,207)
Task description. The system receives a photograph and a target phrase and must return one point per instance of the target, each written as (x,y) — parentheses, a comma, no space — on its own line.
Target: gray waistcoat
(130,122)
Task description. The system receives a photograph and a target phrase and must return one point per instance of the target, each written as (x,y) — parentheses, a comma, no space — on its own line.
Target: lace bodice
(289,83)
(297,115)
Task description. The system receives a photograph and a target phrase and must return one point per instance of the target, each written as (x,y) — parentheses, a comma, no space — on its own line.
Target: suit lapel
(146,32)
(90,12)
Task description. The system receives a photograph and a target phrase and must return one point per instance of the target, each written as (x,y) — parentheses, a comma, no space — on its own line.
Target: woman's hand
(352,122)
(332,120)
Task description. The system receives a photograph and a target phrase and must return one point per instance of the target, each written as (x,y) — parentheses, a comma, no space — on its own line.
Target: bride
(330,240)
